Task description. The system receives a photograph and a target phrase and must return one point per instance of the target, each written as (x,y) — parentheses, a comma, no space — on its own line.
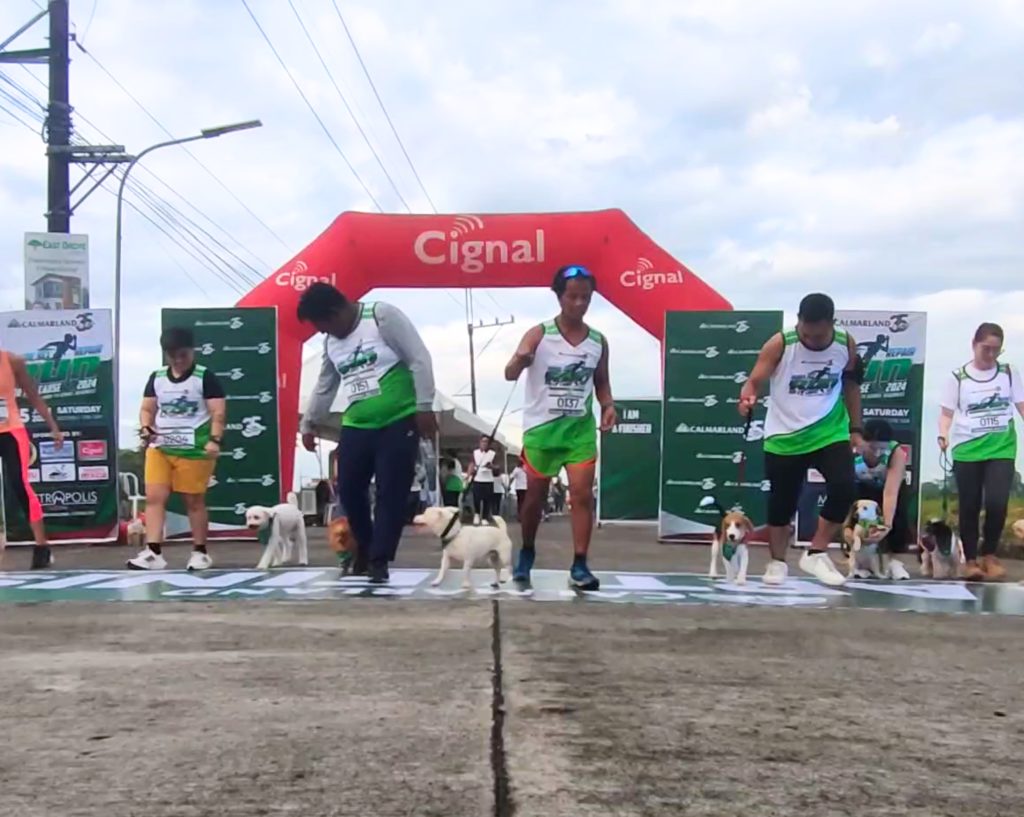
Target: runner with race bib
(375,357)
(566,363)
(977,405)
(182,420)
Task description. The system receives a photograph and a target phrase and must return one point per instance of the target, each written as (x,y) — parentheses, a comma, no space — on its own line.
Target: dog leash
(741,466)
(947,468)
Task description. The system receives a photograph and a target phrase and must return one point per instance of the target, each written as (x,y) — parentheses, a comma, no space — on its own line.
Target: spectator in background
(481,475)
(451,479)
(500,488)
(518,484)
(415,492)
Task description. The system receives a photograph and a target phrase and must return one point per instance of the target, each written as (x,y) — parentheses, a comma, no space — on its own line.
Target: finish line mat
(548,586)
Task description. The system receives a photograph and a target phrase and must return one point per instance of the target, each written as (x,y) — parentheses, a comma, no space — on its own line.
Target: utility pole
(472,356)
(58,123)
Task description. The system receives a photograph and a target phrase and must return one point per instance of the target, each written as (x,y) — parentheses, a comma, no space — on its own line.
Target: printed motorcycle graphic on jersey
(575,374)
(180,406)
(819,381)
(359,359)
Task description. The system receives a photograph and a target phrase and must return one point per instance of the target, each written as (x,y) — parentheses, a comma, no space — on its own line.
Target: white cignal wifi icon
(466,224)
(644,264)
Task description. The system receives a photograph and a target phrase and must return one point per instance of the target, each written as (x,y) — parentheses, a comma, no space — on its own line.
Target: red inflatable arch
(362,251)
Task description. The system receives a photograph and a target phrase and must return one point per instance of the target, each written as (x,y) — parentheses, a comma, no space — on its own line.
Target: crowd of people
(374,355)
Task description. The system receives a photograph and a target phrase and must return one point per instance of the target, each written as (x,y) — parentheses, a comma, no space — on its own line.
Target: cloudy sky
(868,149)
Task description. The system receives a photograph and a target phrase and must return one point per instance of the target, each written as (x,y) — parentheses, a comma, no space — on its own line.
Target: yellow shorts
(183,474)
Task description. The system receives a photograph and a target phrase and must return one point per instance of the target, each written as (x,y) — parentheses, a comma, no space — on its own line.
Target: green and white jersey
(376,384)
(558,412)
(806,411)
(182,418)
(982,403)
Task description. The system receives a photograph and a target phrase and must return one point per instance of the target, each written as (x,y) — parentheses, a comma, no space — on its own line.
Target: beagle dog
(862,531)
(729,543)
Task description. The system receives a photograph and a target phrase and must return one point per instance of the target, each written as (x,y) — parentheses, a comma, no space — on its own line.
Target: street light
(206,133)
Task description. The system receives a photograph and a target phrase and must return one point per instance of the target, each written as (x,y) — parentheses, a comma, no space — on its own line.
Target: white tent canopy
(460,429)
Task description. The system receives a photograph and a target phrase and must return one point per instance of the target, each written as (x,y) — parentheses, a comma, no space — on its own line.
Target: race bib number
(359,386)
(989,425)
(570,403)
(181,438)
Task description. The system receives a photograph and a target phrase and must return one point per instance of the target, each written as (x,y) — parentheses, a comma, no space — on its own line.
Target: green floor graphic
(548,586)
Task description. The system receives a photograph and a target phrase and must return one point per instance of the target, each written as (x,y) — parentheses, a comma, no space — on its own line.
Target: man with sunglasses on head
(566,363)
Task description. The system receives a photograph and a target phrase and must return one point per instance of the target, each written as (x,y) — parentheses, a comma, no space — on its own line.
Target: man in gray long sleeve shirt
(375,355)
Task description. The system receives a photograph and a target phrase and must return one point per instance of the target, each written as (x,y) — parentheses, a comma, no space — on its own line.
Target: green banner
(240,346)
(68,354)
(630,453)
(708,356)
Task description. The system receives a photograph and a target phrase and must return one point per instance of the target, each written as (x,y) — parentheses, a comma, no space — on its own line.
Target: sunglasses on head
(576,272)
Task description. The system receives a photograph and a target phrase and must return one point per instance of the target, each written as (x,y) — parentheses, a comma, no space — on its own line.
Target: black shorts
(788,472)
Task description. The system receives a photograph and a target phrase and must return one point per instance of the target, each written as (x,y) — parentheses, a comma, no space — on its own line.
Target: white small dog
(468,544)
(729,543)
(284,530)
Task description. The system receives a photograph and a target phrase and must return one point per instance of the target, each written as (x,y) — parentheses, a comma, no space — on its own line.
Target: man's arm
(322,396)
(28,388)
(764,367)
(523,355)
(216,404)
(398,332)
(852,377)
(603,389)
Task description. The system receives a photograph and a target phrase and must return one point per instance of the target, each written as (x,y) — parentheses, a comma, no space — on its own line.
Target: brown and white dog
(341,541)
(729,543)
(942,552)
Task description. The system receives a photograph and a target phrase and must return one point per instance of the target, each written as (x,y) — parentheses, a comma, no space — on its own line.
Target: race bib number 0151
(361,386)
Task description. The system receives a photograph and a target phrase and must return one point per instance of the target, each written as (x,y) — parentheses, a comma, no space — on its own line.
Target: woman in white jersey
(566,363)
(978,402)
(814,421)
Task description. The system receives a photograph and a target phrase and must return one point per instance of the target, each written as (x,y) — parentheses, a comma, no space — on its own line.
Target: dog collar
(446,539)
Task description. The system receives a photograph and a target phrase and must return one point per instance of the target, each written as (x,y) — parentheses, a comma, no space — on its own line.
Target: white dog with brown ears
(468,544)
(863,532)
(282,531)
(729,543)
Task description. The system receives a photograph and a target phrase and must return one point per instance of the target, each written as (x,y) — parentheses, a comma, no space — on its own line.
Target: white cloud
(938,38)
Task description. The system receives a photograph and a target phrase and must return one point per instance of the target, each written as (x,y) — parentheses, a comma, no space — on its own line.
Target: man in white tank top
(814,421)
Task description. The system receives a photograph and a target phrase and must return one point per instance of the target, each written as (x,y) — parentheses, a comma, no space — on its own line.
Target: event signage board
(69,355)
(705,452)
(892,346)
(327,584)
(56,271)
(240,346)
(630,457)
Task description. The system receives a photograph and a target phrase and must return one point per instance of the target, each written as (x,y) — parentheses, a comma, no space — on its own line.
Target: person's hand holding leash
(309,442)
(146,435)
(748,399)
(212,449)
(856,440)
(943,444)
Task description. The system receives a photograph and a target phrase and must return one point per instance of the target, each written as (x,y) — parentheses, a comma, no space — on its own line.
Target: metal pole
(58,123)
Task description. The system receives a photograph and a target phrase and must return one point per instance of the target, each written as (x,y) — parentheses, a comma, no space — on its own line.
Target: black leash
(741,467)
(947,469)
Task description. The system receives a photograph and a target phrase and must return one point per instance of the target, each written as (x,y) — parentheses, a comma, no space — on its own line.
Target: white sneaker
(822,568)
(147,560)
(776,572)
(897,571)
(199,561)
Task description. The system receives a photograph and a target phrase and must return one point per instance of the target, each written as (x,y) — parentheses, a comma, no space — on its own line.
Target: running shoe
(993,569)
(42,557)
(822,568)
(147,560)
(198,561)
(580,578)
(379,573)
(776,573)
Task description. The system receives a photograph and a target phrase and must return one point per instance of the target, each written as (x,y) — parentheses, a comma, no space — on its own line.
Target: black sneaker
(42,557)
(379,573)
(580,578)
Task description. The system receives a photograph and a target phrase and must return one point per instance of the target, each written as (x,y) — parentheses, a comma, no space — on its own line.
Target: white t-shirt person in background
(518,484)
(976,426)
(482,476)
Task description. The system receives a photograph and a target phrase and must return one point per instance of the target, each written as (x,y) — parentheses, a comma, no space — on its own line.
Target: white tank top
(983,415)
(806,411)
(362,358)
(560,381)
(182,418)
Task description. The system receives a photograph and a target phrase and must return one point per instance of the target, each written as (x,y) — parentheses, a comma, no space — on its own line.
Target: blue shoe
(580,578)
(521,575)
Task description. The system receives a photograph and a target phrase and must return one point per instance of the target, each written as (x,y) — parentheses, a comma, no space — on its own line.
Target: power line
(348,108)
(380,102)
(312,110)
(194,158)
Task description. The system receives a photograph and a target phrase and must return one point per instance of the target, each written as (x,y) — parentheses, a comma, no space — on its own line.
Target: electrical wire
(312,110)
(348,107)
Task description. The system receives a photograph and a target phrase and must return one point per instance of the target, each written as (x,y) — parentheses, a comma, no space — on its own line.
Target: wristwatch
(856,430)
(216,440)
